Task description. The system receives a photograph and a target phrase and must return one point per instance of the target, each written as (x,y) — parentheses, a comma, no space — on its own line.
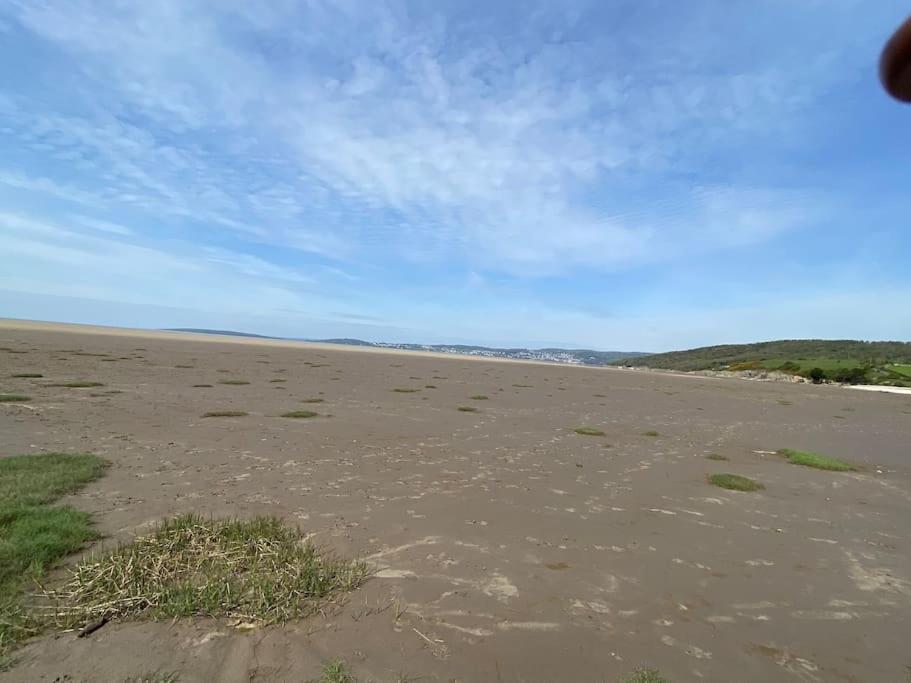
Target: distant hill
(230,333)
(570,356)
(856,362)
(553,355)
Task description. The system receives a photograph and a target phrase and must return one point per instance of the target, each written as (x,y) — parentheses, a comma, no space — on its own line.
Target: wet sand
(505,546)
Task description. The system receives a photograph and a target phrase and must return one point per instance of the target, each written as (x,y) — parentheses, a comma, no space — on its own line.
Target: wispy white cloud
(302,146)
(410,139)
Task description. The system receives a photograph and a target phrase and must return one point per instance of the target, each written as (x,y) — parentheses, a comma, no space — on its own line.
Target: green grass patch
(27,375)
(300,414)
(467,409)
(645,676)
(478,397)
(901,369)
(817,461)
(589,431)
(335,671)
(78,385)
(717,456)
(405,390)
(734,482)
(233,382)
(14,398)
(650,432)
(225,413)
(33,534)
(260,570)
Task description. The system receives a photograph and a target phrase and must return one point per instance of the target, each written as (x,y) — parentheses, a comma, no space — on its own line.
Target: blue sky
(616,175)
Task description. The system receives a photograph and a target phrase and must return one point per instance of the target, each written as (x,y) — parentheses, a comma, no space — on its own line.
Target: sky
(623,175)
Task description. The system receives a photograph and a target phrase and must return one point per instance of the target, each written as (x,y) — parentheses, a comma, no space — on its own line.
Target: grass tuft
(405,390)
(259,570)
(717,456)
(202,386)
(650,432)
(467,409)
(589,431)
(312,400)
(27,375)
(645,676)
(225,413)
(478,397)
(34,535)
(817,461)
(233,382)
(78,385)
(14,398)
(734,482)
(300,414)
(335,671)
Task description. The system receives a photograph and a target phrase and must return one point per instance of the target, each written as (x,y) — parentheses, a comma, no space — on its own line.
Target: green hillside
(855,362)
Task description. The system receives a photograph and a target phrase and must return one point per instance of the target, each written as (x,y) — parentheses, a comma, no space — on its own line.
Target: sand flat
(505,546)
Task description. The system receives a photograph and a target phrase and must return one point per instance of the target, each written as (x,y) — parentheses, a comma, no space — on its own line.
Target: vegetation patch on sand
(299,413)
(225,413)
(467,409)
(589,431)
(650,432)
(405,390)
(78,385)
(311,400)
(717,456)
(14,398)
(258,570)
(233,382)
(645,676)
(817,461)
(478,397)
(33,534)
(27,375)
(202,386)
(335,671)
(735,482)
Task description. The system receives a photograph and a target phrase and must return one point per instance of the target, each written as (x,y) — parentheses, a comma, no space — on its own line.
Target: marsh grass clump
(817,461)
(34,535)
(311,400)
(479,397)
(589,431)
(79,384)
(735,482)
(645,676)
(14,398)
(225,413)
(650,432)
(335,671)
(717,456)
(258,570)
